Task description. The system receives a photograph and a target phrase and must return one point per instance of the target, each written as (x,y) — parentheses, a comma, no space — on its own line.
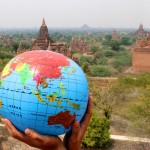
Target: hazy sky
(75,13)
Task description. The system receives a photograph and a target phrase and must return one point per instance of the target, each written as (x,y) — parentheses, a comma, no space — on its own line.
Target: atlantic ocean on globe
(44,91)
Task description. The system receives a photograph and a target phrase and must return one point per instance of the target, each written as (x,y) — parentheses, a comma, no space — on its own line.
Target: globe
(44,91)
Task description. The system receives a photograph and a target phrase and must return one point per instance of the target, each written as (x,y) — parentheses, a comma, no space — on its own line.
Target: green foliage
(98,54)
(126,41)
(108,37)
(140,114)
(6,55)
(122,60)
(94,48)
(15,46)
(115,45)
(97,134)
(83,59)
(85,67)
(101,61)
(101,71)
(109,53)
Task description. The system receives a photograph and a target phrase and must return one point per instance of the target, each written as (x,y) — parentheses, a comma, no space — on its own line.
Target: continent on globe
(63,118)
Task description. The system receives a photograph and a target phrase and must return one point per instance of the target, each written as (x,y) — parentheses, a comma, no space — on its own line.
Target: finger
(88,114)
(6,126)
(33,134)
(12,130)
(75,131)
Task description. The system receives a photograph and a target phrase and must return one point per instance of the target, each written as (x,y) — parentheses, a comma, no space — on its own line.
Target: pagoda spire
(43,23)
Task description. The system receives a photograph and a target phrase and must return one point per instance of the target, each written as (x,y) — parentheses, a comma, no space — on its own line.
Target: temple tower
(43,40)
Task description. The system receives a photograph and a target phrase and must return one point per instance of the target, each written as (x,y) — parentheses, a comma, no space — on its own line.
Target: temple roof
(43,22)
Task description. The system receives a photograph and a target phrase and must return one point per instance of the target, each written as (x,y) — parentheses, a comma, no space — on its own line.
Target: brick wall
(141,59)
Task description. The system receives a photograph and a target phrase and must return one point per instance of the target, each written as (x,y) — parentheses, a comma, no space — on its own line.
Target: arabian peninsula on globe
(44,91)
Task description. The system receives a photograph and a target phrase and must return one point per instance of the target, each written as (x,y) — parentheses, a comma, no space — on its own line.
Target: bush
(102,61)
(109,53)
(101,71)
(123,59)
(85,67)
(97,134)
(84,59)
(94,48)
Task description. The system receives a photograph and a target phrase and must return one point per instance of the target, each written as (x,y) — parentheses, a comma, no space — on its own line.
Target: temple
(140,32)
(79,45)
(44,42)
(115,36)
(141,55)
(7,41)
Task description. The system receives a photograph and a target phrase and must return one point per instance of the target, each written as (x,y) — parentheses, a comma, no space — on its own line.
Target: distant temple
(7,41)
(141,55)
(44,42)
(140,32)
(115,36)
(20,48)
(79,45)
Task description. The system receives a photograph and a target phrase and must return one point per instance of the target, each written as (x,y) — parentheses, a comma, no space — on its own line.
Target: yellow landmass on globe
(20,67)
(59,101)
(76,106)
(37,94)
(6,70)
(62,89)
(51,97)
(0,103)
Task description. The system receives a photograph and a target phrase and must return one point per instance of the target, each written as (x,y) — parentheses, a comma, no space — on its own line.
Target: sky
(75,13)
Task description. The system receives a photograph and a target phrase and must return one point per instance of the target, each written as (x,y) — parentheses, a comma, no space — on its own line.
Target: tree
(85,67)
(94,48)
(109,53)
(98,55)
(126,41)
(115,45)
(108,37)
(83,59)
(100,71)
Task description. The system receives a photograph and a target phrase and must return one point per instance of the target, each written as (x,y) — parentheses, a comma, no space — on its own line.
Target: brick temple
(44,42)
(115,36)
(79,45)
(141,55)
(141,32)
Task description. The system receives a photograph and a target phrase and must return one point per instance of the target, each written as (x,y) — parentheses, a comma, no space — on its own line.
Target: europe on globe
(44,91)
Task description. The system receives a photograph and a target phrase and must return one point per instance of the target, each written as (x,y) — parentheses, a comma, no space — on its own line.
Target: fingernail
(28,132)
(76,124)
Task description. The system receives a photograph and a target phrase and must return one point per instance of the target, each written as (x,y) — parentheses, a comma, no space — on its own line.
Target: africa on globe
(44,91)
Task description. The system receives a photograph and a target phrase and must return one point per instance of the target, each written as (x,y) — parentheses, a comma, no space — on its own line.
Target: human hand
(73,139)
(34,139)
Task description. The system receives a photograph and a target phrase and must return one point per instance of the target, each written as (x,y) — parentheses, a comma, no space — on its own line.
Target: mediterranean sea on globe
(44,91)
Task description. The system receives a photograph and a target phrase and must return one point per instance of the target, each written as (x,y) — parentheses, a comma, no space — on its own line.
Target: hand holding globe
(72,140)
